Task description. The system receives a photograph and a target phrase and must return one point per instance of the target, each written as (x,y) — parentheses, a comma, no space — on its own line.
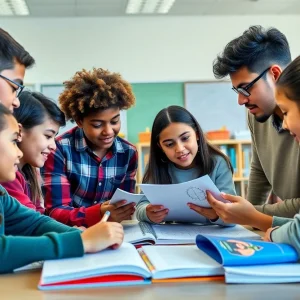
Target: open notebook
(127,266)
(144,233)
(252,261)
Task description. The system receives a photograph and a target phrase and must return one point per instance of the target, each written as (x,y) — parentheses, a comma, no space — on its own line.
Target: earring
(163,161)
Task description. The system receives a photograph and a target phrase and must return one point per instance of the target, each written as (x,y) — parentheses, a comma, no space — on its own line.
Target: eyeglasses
(244,90)
(19,88)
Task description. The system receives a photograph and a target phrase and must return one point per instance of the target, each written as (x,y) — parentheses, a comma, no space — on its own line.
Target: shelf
(240,178)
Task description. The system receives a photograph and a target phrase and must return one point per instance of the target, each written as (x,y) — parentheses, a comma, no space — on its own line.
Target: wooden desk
(24,286)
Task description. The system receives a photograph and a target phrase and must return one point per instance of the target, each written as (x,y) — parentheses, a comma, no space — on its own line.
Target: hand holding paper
(119,211)
(239,211)
(156,213)
(175,197)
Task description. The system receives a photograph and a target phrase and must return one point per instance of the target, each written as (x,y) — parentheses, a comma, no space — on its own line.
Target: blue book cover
(243,252)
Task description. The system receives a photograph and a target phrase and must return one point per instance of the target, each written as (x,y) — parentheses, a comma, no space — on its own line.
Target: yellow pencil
(146,260)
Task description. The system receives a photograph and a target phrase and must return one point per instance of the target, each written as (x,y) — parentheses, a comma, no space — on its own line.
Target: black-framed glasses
(244,90)
(19,87)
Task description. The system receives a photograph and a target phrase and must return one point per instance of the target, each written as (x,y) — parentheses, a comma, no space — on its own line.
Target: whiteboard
(214,105)
(54,90)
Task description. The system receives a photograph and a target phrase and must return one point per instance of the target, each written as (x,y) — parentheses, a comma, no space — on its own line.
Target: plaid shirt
(76,181)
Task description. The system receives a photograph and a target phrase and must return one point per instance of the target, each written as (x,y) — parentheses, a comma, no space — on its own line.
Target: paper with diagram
(176,196)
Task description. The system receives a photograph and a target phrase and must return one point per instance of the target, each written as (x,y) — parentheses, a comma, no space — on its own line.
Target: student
(254,61)
(288,100)
(27,236)
(40,118)
(91,161)
(179,152)
(14,59)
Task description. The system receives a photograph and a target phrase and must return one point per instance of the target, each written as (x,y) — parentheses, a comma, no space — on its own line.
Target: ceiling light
(165,6)
(14,7)
(5,9)
(20,7)
(134,6)
(149,6)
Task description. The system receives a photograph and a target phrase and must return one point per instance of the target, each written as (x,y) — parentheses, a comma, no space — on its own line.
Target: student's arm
(129,183)
(56,190)
(288,233)
(141,213)
(287,208)
(258,186)
(223,180)
(17,189)
(50,239)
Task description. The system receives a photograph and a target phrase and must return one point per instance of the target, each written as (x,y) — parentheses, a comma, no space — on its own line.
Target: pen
(105,216)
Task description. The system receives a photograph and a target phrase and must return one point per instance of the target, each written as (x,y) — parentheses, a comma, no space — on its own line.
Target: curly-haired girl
(91,161)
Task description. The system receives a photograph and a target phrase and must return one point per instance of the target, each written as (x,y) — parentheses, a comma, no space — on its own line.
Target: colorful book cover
(240,252)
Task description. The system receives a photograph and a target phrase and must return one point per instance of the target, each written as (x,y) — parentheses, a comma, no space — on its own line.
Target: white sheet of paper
(123,195)
(176,196)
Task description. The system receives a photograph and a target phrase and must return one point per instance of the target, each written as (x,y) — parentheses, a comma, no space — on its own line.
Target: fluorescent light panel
(13,7)
(149,6)
(134,6)
(165,6)
(5,9)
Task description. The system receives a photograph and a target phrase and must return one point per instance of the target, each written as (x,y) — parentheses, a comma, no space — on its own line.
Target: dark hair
(4,112)
(33,111)
(257,49)
(35,107)
(157,169)
(89,91)
(11,50)
(289,81)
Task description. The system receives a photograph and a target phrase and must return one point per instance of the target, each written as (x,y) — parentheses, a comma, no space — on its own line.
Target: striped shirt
(76,181)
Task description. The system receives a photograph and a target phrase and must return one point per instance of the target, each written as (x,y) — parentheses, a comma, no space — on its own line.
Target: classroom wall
(143,49)
(151,98)
(163,51)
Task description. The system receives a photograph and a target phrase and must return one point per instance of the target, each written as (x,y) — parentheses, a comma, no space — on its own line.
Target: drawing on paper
(197,195)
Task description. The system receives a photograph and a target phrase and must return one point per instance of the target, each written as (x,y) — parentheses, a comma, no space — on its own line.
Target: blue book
(232,157)
(252,261)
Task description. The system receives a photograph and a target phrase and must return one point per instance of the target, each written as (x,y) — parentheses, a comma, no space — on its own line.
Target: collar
(277,123)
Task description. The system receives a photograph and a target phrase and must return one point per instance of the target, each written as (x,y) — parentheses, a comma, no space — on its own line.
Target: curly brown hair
(97,89)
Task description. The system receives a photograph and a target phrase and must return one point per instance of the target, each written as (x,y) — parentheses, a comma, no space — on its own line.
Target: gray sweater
(288,232)
(221,176)
(275,157)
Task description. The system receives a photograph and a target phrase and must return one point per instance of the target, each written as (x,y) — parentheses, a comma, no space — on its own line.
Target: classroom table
(24,286)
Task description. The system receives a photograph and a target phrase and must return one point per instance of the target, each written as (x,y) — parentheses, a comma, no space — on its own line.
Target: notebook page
(181,261)
(183,232)
(29,267)
(135,233)
(124,260)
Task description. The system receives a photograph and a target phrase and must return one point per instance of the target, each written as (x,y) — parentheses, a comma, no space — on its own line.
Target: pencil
(105,216)
(146,260)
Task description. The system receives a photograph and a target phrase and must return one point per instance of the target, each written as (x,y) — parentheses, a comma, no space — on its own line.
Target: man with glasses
(254,62)
(14,59)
